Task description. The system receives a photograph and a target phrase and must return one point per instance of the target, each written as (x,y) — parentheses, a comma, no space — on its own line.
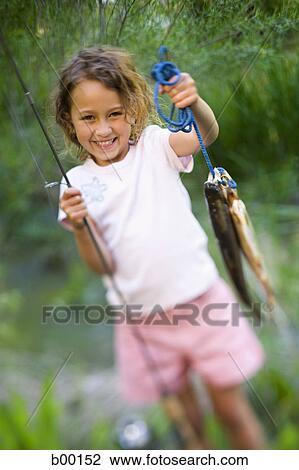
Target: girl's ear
(67,117)
(71,131)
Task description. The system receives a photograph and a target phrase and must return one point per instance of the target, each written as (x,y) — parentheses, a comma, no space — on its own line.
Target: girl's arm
(87,250)
(73,205)
(183,94)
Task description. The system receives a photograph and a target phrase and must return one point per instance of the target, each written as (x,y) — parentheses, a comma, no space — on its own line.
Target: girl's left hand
(184,93)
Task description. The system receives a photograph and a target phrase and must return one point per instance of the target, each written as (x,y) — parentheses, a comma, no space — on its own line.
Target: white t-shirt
(144,213)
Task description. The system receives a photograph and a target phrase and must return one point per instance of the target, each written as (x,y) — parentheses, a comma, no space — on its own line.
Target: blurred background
(244,57)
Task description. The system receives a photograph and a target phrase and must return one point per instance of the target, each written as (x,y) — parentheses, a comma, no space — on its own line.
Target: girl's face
(100,123)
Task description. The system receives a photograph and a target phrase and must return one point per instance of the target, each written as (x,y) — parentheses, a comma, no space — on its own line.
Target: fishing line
(39,119)
(20,130)
(171,404)
(166,73)
(65,88)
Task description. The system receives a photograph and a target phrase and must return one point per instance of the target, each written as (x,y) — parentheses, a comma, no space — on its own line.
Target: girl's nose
(103,130)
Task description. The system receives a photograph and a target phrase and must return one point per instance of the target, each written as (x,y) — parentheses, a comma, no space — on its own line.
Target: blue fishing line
(162,73)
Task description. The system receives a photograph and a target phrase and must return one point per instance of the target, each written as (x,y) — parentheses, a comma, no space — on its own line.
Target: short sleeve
(181,164)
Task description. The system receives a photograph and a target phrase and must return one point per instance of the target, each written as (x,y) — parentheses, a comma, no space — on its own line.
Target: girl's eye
(87,118)
(115,114)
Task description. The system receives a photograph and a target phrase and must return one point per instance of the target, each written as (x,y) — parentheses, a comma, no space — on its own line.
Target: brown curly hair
(114,68)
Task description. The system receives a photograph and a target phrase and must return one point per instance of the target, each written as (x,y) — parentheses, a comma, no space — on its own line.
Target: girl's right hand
(73,205)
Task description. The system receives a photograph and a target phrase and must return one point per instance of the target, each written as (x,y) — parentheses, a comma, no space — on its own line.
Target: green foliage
(21,430)
(215,433)
(101,436)
(252,43)
(288,437)
(262,113)
(244,58)
(10,303)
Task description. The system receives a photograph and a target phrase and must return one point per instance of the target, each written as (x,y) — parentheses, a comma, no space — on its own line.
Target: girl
(128,187)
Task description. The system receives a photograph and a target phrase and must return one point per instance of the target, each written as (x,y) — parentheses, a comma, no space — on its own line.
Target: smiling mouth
(104,144)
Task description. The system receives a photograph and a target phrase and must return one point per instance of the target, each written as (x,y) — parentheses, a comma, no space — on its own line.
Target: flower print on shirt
(94,191)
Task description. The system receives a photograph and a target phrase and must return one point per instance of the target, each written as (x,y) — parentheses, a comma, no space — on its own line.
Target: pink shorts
(209,339)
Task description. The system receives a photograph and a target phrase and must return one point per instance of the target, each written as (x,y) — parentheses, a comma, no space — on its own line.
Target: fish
(247,239)
(236,237)
(227,237)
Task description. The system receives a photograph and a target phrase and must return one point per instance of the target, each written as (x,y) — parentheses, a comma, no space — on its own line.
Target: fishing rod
(172,406)
(55,155)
